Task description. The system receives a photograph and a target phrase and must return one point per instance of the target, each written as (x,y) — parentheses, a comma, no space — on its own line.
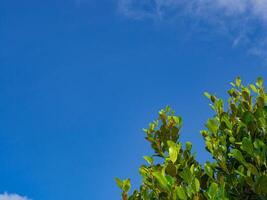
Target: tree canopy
(236,138)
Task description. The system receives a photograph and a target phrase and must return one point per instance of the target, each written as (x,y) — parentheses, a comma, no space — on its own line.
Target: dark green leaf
(261,184)
(247,146)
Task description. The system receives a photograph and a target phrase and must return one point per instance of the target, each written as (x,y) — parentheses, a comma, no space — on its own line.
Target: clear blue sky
(80,79)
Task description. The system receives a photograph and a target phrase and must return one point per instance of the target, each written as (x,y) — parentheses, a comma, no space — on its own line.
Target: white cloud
(260,9)
(157,8)
(244,20)
(7,196)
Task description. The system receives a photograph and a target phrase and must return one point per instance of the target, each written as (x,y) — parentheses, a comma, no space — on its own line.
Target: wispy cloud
(7,196)
(244,20)
(253,9)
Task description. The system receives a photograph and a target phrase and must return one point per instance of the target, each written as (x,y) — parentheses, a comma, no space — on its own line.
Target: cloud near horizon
(7,196)
(244,20)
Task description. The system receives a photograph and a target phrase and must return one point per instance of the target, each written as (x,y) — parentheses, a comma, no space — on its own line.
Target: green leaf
(224,118)
(232,84)
(170,180)
(207,95)
(213,98)
(238,81)
(174,133)
(119,183)
(212,126)
(186,175)
(178,120)
(208,170)
(247,117)
(168,108)
(253,87)
(260,102)
(209,145)
(173,154)
(237,155)
(259,82)
(213,189)
(181,193)
(188,146)
(173,151)
(143,171)
(196,185)
(240,171)
(171,169)
(246,95)
(247,146)
(161,179)
(261,185)
(252,169)
(258,144)
(232,140)
(149,159)
(126,185)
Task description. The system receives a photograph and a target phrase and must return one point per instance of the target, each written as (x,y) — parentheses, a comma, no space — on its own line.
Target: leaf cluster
(236,138)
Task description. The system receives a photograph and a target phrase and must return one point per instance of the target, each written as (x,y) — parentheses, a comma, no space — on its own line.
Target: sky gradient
(79,79)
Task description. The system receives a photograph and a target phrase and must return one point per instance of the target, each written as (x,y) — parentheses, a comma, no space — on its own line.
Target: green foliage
(236,137)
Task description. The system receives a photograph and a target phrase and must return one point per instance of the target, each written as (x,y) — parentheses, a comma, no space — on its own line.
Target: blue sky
(79,79)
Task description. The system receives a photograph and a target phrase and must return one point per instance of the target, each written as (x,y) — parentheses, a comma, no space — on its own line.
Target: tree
(236,138)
